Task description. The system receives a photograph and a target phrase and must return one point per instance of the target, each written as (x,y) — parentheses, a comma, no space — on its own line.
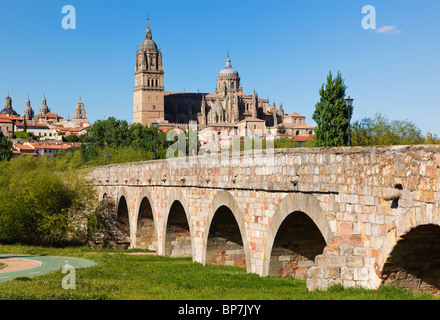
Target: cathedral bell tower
(148,98)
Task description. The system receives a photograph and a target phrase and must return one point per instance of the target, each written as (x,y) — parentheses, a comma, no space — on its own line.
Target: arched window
(232,85)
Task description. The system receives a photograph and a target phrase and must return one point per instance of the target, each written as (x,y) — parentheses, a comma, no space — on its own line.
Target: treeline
(115,141)
(381,131)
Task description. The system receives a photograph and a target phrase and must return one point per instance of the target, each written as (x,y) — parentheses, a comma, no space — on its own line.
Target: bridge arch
(225,207)
(123,214)
(298,206)
(177,227)
(144,224)
(410,256)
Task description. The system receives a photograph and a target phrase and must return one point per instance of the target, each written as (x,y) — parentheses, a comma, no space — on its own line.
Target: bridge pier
(353,216)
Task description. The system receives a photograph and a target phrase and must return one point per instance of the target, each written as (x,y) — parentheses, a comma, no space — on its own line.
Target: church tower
(80,115)
(28,113)
(148,98)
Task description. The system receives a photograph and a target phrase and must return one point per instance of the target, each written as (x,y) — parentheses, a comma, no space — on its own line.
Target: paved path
(36,265)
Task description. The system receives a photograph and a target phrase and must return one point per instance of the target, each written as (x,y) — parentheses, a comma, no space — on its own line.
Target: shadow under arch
(177,228)
(224,202)
(123,215)
(306,207)
(396,257)
(144,229)
(121,193)
(414,262)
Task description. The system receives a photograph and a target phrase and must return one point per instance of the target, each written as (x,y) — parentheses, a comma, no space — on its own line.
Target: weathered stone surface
(361,201)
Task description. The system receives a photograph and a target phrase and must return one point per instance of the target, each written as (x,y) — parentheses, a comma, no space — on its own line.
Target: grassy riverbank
(119,276)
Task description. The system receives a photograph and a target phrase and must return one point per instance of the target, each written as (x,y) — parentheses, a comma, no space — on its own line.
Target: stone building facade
(228,106)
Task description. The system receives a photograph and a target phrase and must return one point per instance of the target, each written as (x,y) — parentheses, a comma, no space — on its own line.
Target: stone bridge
(358,216)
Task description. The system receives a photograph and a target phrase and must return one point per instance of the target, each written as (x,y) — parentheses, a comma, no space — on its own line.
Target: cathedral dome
(228,70)
(148,44)
(9,111)
(8,107)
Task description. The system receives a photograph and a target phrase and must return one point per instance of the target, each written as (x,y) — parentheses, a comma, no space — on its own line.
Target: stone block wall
(362,200)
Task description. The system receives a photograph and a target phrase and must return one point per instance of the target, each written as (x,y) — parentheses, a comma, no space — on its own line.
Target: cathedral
(228,107)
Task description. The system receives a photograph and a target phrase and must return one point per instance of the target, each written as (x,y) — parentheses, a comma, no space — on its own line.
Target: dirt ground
(15,264)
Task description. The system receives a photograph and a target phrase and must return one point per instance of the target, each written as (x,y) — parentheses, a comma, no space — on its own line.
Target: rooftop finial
(148,33)
(228,62)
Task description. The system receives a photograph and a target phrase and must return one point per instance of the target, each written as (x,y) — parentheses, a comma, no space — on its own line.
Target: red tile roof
(301,138)
(10,117)
(295,114)
(53,115)
(34,146)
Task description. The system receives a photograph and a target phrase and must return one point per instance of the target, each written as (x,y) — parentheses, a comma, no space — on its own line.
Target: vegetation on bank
(118,276)
(41,201)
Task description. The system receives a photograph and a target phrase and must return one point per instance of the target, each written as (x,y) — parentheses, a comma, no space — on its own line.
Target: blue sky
(282,49)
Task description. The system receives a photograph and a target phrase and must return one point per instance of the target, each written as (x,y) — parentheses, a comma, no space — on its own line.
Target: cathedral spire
(228,62)
(148,34)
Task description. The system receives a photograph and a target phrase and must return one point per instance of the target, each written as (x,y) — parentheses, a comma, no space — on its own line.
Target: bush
(382,131)
(39,203)
(23,135)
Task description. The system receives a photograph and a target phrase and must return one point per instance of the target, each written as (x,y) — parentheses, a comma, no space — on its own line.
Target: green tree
(111,132)
(331,114)
(382,131)
(5,148)
(281,129)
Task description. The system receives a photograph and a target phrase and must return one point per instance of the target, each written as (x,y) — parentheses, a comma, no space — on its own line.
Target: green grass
(128,277)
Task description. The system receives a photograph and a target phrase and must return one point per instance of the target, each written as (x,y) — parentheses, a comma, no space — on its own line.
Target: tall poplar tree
(331,114)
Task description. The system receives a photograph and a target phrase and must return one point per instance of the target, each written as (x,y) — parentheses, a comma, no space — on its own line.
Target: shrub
(39,203)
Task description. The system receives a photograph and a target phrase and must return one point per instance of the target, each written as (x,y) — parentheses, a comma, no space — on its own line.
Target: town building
(7,123)
(50,126)
(40,149)
(42,131)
